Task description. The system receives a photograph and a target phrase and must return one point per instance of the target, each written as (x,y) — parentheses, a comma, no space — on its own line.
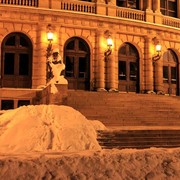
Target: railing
(80,6)
(32,3)
(170,21)
(130,14)
(90,7)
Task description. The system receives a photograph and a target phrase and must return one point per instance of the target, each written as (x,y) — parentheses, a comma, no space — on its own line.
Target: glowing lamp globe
(109,42)
(158,48)
(50,36)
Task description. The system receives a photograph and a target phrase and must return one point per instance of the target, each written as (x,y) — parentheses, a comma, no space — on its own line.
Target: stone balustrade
(170,21)
(33,3)
(130,13)
(81,6)
(90,7)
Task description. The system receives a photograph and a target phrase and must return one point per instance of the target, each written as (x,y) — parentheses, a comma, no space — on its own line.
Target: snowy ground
(58,142)
(150,164)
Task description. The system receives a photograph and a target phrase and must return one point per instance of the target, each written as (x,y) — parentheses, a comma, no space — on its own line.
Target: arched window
(16,69)
(169,7)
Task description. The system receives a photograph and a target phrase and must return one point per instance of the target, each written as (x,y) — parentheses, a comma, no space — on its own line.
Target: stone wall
(90,27)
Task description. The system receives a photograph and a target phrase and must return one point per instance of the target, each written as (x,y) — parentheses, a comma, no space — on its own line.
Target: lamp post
(50,39)
(49,51)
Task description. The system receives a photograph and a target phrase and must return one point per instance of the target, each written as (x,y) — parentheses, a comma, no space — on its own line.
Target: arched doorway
(16,60)
(170,73)
(128,68)
(77,61)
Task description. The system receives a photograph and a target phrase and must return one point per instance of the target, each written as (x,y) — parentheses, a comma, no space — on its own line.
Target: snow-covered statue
(56,66)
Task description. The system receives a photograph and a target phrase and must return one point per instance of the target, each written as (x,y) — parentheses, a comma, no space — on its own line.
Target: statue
(56,66)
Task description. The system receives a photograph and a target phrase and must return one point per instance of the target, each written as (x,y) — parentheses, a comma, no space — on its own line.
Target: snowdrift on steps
(46,128)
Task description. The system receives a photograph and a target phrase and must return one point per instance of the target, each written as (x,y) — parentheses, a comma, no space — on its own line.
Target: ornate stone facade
(89,21)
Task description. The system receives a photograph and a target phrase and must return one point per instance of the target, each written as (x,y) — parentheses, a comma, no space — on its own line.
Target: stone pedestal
(60,97)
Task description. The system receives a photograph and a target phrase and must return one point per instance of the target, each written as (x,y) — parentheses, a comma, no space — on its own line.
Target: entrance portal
(170,73)
(77,61)
(128,68)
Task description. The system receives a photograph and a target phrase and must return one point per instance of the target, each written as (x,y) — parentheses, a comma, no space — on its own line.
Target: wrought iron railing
(130,13)
(32,3)
(80,6)
(170,21)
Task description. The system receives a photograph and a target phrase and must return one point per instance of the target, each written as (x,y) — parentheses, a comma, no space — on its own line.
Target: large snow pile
(127,164)
(46,128)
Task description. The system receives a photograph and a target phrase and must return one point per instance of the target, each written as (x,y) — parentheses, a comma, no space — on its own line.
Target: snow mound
(46,128)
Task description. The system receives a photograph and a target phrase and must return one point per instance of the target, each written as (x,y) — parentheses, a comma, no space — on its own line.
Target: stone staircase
(138,139)
(133,120)
(127,109)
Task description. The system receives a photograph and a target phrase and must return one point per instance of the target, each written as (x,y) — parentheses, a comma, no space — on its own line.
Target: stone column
(157,6)
(178,8)
(158,15)
(39,60)
(100,67)
(149,12)
(148,79)
(149,5)
(110,66)
(158,76)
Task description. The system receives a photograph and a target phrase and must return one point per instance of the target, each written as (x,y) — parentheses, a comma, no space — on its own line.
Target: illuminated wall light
(109,42)
(158,48)
(109,45)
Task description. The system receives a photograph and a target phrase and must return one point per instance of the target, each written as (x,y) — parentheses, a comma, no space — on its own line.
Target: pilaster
(39,60)
(158,76)
(101,7)
(148,66)
(100,72)
(110,66)
(55,4)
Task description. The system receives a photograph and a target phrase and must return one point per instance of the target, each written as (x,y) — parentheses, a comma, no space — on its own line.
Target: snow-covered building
(106,45)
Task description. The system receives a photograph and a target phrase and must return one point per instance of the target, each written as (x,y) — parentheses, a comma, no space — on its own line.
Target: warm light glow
(50,36)
(158,48)
(109,42)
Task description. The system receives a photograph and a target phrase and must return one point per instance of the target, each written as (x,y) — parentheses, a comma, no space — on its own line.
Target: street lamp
(50,39)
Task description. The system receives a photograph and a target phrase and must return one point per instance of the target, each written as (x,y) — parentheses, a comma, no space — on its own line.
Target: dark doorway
(170,73)
(77,61)
(128,68)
